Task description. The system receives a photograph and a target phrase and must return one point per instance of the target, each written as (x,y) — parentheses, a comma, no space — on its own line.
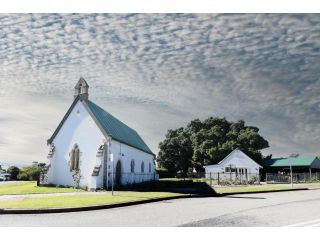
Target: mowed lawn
(32,188)
(249,189)
(80,200)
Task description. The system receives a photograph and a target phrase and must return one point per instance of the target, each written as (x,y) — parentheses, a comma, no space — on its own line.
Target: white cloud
(262,68)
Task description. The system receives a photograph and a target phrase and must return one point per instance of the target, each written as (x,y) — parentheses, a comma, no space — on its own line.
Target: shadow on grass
(183,186)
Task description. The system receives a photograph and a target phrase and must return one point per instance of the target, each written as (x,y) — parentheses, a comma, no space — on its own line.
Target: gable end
(50,140)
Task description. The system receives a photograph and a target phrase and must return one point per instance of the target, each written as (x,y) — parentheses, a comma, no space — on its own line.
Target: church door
(118,173)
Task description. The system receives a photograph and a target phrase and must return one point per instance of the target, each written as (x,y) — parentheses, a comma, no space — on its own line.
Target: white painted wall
(124,153)
(79,128)
(237,159)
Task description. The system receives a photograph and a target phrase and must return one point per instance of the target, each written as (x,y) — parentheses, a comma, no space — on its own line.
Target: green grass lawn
(250,189)
(80,200)
(32,188)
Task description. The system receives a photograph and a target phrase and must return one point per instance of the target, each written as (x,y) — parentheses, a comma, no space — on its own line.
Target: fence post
(246,177)
(218,178)
(310,173)
(266,178)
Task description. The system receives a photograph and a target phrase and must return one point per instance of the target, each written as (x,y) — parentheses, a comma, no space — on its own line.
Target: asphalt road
(299,208)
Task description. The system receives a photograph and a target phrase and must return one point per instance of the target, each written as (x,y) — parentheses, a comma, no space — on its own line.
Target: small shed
(236,164)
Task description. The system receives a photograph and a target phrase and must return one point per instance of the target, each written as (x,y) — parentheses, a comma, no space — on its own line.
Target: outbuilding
(299,164)
(304,168)
(236,165)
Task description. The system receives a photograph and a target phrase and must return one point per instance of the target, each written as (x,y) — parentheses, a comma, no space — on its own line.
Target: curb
(126,204)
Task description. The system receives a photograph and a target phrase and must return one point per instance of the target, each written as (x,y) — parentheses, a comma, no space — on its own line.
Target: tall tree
(176,151)
(208,141)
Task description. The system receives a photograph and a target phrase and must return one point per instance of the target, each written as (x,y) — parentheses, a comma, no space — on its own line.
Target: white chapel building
(92,149)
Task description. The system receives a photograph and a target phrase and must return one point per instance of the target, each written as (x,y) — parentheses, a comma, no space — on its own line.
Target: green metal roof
(285,162)
(117,129)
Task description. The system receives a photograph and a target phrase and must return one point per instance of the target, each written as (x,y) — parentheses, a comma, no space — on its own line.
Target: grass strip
(80,200)
(226,190)
(32,188)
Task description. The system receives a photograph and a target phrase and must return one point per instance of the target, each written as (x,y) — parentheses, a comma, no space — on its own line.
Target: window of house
(142,167)
(75,158)
(230,169)
(132,166)
(149,167)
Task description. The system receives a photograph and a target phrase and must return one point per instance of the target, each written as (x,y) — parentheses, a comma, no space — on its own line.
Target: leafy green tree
(14,172)
(214,138)
(32,173)
(176,152)
(208,141)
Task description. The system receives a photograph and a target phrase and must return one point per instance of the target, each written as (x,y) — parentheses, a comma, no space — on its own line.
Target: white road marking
(313,223)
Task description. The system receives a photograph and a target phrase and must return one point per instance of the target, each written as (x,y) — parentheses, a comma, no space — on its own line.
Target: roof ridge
(110,115)
(283,158)
(295,161)
(117,129)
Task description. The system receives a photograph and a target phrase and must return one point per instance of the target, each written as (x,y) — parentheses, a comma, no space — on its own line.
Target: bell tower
(81,89)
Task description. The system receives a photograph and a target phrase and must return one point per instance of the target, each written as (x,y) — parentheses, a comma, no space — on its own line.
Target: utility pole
(291,173)
(112,175)
(294,155)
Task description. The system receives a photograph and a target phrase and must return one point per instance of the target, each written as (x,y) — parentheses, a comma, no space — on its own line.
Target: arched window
(132,166)
(75,158)
(149,167)
(142,167)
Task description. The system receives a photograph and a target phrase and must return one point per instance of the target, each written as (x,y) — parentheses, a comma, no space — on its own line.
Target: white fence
(232,178)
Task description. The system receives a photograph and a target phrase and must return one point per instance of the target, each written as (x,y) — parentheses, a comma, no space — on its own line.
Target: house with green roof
(92,149)
(299,164)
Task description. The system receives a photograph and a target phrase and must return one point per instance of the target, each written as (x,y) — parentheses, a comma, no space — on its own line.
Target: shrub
(237,181)
(182,186)
(253,180)
(313,180)
(163,173)
(32,173)
(29,173)
(14,172)
(225,182)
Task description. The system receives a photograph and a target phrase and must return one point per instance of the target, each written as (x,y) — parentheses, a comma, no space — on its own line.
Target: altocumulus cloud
(159,71)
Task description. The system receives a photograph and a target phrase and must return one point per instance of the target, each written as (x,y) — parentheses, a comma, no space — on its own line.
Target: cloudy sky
(157,71)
